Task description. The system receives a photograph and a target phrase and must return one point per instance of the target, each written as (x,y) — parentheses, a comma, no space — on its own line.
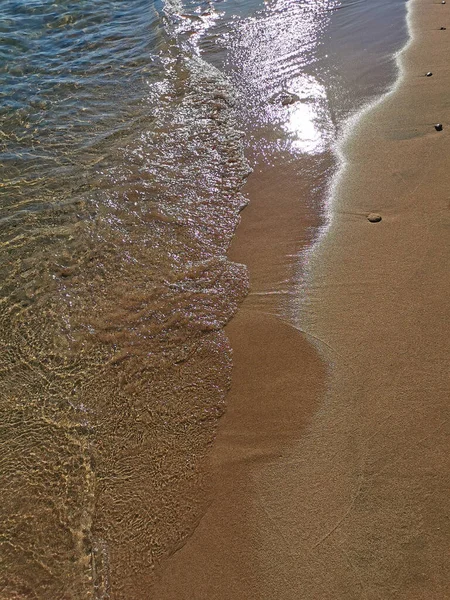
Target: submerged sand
(336,485)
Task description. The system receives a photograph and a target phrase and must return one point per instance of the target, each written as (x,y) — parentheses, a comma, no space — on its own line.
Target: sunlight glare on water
(307,120)
(274,55)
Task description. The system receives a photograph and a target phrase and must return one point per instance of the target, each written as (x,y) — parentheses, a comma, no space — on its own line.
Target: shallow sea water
(122,155)
(121,171)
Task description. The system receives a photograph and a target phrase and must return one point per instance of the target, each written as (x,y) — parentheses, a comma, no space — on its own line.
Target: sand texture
(336,484)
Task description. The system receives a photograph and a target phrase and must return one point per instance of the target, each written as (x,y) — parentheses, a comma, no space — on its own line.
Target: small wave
(122,192)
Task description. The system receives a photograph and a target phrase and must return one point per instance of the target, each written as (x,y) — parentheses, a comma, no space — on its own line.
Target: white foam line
(350,131)
(309,258)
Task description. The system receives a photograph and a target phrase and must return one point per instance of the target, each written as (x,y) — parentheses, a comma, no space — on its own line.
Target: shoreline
(379,307)
(277,379)
(353,503)
(356,120)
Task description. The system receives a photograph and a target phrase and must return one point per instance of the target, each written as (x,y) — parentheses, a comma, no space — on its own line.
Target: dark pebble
(374,218)
(288,98)
(443,28)
(438,127)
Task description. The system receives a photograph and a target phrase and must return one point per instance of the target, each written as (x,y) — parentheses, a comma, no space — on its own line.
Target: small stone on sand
(443,28)
(429,74)
(374,218)
(438,127)
(288,98)
(285,98)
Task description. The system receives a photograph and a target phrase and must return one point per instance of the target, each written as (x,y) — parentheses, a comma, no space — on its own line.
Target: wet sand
(277,380)
(335,485)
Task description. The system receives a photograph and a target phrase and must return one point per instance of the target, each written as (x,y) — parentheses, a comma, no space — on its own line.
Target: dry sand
(337,485)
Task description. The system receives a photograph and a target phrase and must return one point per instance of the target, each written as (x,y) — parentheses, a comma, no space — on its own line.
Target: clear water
(121,171)
(122,166)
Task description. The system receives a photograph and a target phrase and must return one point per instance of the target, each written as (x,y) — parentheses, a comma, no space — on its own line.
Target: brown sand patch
(277,378)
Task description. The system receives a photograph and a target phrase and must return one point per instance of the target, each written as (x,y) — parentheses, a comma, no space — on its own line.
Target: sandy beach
(164,434)
(331,467)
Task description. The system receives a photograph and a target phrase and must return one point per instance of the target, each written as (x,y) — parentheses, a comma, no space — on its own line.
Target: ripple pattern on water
(122,170)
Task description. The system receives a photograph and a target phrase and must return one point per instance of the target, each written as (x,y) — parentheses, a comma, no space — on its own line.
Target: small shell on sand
(374,217)
(439,127)
(429,74)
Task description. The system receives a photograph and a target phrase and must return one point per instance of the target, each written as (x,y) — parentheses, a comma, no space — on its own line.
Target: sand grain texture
(349,497)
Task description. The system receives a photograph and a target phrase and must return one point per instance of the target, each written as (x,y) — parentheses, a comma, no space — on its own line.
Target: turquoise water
(124,126)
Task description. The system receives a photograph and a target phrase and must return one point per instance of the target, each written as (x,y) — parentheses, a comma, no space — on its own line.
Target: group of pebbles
(375,217)
(286,98)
